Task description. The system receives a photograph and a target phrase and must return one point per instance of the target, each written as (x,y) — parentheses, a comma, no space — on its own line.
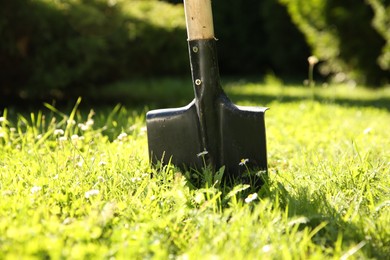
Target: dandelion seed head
(313,60)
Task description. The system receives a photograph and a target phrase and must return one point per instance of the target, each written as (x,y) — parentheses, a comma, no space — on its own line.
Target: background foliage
(344,35)
(62,48)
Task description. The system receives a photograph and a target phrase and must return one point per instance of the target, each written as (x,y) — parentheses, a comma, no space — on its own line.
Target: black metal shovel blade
(173,136)
(243,139)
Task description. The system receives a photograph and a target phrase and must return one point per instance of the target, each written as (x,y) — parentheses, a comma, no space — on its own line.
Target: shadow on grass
(312,210)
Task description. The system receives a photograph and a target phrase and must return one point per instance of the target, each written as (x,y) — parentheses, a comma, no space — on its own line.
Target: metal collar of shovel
(211,125)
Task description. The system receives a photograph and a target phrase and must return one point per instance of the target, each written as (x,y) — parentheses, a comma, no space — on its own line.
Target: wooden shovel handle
(199,19)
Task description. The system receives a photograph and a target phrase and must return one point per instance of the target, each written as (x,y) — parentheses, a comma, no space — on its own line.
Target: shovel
(211,129)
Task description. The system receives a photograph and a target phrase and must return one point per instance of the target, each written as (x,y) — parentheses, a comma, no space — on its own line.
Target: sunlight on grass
(78,185)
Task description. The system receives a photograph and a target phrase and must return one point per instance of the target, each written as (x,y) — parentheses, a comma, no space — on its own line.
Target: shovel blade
(243,138)
(173,136)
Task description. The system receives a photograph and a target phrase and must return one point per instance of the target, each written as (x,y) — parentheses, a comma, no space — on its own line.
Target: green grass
(72,185)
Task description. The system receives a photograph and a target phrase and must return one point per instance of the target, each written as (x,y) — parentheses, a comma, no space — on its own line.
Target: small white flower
(38,137)
(122,136)
(143,130)
(35,189)
(91,193)
(135,179)
(58,132)
(62,139)
(74,137)
(70,122)
(251,197)
(83,127)
(80,163)
(201,154)
(90,122)
(12,129)
(266,248)
(2,119)
(102,163)
(243,162)
(367,130)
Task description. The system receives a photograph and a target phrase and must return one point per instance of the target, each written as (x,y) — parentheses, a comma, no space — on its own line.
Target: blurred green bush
(345,37)
(60,47)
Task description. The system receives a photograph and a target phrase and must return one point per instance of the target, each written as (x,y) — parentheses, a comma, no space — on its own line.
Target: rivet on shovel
(211,122)
(198,82)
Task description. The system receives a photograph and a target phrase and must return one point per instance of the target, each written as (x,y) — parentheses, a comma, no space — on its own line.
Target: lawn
(76,183)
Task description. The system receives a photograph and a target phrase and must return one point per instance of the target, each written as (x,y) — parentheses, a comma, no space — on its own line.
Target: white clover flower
(35,189)
(102,163)
(74,137)
(58,132)
(266,248)
(143,130)
(2,119)
(83,127)
(201,154)
(62,139)
(251,197)
(135,179)
(91,193)
(80,163)
(70,122)
(367,130)
(38,137)
(122,136)
(243,162)
(90,122)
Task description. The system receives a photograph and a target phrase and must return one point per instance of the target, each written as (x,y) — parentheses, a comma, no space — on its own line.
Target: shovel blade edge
(173,136)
